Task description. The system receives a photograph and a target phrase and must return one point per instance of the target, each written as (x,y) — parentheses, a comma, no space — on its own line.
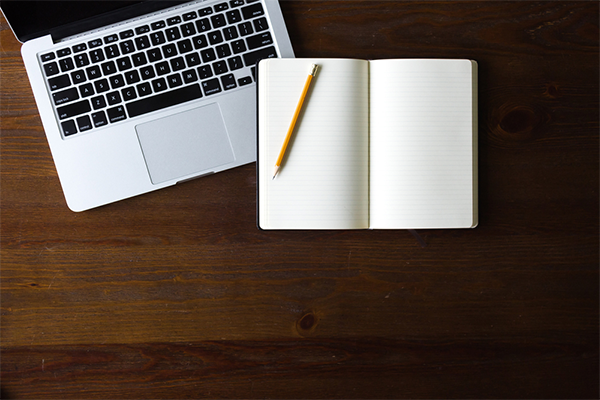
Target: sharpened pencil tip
(275,171)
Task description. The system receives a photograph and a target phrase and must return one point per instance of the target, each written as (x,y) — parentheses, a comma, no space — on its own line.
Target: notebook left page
(323,181)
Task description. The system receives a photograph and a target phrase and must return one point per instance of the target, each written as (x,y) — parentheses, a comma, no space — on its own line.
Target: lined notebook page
(323,180)
(423,144)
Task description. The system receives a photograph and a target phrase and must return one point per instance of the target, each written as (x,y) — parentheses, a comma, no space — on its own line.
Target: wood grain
(176,294)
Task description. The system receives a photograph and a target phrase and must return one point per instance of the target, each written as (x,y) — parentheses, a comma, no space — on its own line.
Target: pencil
(312,72)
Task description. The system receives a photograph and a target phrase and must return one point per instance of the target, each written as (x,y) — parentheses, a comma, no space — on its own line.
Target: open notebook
(386,144)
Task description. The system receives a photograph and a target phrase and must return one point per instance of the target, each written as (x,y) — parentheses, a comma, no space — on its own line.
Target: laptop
(136,96)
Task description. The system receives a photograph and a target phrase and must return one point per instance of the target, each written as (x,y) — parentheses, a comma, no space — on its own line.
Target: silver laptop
(137,96)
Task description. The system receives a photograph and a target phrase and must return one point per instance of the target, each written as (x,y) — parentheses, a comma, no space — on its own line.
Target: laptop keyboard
(158,64)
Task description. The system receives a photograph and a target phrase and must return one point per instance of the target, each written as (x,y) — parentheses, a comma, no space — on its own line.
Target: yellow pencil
(312,72)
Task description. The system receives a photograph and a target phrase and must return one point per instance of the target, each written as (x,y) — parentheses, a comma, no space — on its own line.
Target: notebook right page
(423,144)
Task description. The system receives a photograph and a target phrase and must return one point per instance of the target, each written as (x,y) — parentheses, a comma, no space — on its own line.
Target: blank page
(423,144)
(323,180)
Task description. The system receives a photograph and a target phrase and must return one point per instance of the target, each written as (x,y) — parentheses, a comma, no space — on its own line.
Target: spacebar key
(163,100)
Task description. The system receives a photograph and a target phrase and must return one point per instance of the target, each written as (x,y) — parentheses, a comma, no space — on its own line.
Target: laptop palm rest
(186,143)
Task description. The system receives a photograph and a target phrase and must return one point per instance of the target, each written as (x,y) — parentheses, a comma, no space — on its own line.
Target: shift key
(74,109)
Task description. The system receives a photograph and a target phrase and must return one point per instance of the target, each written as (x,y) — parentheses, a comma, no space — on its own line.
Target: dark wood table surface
(177,294)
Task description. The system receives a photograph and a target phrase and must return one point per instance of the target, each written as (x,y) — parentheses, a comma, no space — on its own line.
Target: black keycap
(68,127)
(235,63)
(128,93)
(97,55)
(59,82)
(117,81)
(63,52)
(51,69)
(189,16)
(162,68)
(251,58)
(101,86)
(233,16)
(66,64)
(157,38)
(173,20)
(177,64)
(260,24)
(192,59)
(221,7)
(203,25)
(236,3)
(190,76)
(98,102)
(228,82)
(223,50)
(126,34)
(93,72)
(174,80)
(169,50)
(205,11)
(215,37)
(173,34)
(230,33)
(78,77)
(142,42)
(116,114)
(110,39)
(238,46)
(72,110)
(188,29)
(252,11)
(211,86)
(147,72)
(81,60)
(139,59)
(199,42)
(154,55)
(218,20)
(205,72)
(144,89)
(124,64)
(163,100)
(127,47)
(113,98)
(260,40)
(99,119)
(132,77)
(220,67)
(184,46)
(208,55)
(79,47)
(48,57)
(112,51)
(84,123)
(159,85)
(65,96)
(246,28)
(158,25)
(246,80)
(86,90)
(140,30)
(95,43)
(109,68)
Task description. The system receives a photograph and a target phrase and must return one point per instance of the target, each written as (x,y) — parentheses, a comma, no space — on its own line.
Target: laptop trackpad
(185,143)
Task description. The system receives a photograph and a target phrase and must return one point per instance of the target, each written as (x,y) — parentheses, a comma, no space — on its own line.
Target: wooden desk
(176,294)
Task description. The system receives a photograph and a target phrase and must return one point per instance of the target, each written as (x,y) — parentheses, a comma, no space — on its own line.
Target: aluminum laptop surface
(152,100)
